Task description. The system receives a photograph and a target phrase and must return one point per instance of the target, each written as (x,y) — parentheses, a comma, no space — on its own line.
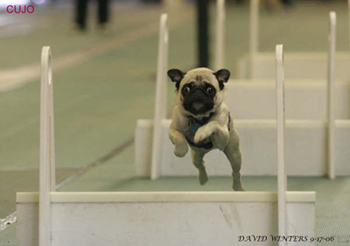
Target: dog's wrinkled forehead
(200,76)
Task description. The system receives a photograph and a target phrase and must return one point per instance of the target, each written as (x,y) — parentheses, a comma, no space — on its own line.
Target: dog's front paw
(203,177)
(238,187)
(201,134)
(181,150)
(237,182)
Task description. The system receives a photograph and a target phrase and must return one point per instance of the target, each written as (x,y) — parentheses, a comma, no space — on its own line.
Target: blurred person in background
(81,13)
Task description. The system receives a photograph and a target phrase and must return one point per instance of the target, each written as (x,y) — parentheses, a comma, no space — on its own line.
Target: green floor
(98,101)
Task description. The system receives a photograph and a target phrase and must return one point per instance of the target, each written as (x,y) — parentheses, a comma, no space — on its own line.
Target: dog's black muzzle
(198,101)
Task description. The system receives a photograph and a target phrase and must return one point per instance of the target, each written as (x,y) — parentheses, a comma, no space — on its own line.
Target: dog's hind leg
(198,162)
(233,154)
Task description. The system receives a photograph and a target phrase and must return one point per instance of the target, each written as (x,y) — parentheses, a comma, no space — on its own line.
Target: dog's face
(199,91)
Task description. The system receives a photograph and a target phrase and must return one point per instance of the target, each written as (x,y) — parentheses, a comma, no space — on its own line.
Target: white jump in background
(300,65)
(308,147)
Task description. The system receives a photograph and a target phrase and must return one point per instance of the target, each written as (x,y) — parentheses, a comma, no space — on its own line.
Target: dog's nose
(197,105)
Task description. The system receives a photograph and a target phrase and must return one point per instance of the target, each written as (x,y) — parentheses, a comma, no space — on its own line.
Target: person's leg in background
(80,14)
(103,14)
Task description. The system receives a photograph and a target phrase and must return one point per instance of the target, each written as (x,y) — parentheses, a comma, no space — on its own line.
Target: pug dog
(202,120)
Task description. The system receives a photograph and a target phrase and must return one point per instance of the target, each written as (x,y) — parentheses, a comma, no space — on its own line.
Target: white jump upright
(349,22)
(160,108)
(331,92)
(220,34)
(253,33)
(281,165)
(47,148)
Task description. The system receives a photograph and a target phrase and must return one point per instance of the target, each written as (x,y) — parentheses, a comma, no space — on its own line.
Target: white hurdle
(147,218)
(47,148)
(220,34)
(307,115)
(242,68)
(349,22)
(281,177)
(301,65)
(160,109)
(253,33)
(331,92)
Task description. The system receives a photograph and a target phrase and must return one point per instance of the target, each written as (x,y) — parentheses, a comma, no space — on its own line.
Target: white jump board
(298,65)
(304,99)
(306,149)
(163,218)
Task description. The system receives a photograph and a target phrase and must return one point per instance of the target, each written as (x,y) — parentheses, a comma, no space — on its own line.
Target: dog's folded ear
(222,76)
(176,76)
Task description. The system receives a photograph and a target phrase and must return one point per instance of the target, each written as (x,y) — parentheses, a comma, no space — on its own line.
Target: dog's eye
(210,90)
(186,89)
